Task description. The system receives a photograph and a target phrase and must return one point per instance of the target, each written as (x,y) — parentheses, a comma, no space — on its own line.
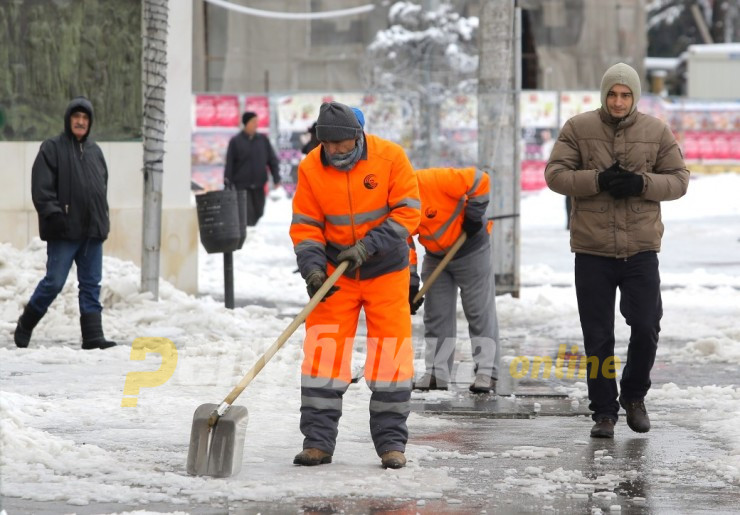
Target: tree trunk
(498,134)
(154,70)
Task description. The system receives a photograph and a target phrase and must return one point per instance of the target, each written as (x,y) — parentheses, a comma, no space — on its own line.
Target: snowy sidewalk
(67,445)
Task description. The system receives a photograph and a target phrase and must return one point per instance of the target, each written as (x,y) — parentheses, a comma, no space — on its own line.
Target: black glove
(471,227)
(627,184)
(356,255)
(605,178)
(316,280)
(413,290)
(56,224)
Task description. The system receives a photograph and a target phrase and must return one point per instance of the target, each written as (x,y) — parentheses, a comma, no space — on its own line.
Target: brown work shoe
(637,417)
(310,457)
(393,460)
(603,428)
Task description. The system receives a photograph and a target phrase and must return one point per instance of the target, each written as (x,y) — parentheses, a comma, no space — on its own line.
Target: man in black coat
(69,185)
(247,159)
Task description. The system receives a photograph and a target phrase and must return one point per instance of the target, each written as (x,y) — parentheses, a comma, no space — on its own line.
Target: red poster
(261,106)
(227,111)
(217,111)
(205,111)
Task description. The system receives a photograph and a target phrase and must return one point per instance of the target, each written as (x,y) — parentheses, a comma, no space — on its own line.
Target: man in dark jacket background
(247,159)
(69,189)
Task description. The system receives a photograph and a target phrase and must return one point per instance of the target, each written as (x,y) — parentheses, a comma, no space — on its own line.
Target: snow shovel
(218,432)
(441,266)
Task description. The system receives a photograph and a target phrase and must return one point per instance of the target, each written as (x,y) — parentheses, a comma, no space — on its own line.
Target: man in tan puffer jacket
(618,165)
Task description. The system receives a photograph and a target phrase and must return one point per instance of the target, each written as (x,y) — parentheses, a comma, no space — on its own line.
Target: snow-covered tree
(434,52)
(672,27)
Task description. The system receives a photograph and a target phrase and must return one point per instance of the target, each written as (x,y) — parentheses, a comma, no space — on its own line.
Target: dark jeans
(255,205)
(88,256)
(638,280)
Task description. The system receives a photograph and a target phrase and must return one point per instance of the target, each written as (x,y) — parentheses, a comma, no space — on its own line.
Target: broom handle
(441,266)
(287,333)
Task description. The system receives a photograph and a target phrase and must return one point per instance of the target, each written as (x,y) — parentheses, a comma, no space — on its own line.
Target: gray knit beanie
(623,74)
(337,122)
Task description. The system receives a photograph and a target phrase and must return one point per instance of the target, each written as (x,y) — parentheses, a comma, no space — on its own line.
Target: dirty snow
(64,436)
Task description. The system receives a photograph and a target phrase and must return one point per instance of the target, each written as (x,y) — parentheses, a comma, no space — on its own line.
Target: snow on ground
(65,437)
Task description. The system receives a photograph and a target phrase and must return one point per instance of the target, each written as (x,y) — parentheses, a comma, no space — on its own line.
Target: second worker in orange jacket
(453,202)
(357,200)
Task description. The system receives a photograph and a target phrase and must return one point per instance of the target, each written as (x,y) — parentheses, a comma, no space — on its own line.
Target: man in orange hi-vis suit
(357,200)
(454,201)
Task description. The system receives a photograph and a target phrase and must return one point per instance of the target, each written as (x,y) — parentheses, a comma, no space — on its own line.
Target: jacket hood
(623,74)
(78,104)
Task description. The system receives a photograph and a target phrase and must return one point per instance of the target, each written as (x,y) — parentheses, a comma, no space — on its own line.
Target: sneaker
(603,428)
(393,460)
(311,457)
(429,382)
(483,384)
(637,417)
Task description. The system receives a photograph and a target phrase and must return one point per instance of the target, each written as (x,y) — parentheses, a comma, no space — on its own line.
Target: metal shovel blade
(217,451)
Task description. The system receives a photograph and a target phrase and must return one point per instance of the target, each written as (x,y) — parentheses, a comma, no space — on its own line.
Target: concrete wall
(179,258)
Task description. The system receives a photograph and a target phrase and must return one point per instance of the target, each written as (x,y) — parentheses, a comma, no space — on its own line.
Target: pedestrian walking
(248,158)
(618,165)
(69,185)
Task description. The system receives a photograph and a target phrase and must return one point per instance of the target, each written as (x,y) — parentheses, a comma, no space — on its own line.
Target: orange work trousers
(326,369)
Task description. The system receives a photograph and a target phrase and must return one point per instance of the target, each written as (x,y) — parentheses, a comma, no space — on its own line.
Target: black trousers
(638,280)
(255,205)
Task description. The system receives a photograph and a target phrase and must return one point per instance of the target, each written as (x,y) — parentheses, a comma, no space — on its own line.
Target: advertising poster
(577,102)
(539,123)
(538,109)
(295,114)
(208,156)
(459,130)
(260,105)
(217,120)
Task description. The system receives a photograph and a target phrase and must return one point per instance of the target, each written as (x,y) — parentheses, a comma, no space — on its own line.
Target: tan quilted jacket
(592,141)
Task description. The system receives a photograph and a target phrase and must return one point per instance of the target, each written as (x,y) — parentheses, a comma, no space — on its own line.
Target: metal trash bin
(222,220)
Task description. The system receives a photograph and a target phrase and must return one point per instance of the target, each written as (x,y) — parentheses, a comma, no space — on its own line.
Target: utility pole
(499,83)
(154,71)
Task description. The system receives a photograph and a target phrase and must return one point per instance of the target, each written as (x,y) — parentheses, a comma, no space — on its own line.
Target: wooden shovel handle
(287,333)
(441,266)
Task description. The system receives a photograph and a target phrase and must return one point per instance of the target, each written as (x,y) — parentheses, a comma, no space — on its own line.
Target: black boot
(637,417)
(603,428)
(92,332)
(26,324)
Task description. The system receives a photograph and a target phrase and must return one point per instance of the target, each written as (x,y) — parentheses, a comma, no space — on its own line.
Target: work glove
(413,290)
(55,223)
(315,280)
(627,184)
(471,227)
(356,255)
(605,177)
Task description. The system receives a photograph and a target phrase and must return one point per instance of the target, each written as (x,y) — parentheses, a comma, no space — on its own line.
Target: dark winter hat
(337,122)
(248,116)
(623,74)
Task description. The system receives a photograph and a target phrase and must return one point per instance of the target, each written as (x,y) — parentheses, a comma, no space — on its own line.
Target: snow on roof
(662,63)
(717,48)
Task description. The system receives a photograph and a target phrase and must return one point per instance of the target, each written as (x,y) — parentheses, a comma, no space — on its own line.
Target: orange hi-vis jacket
(377,202)
(447,196)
